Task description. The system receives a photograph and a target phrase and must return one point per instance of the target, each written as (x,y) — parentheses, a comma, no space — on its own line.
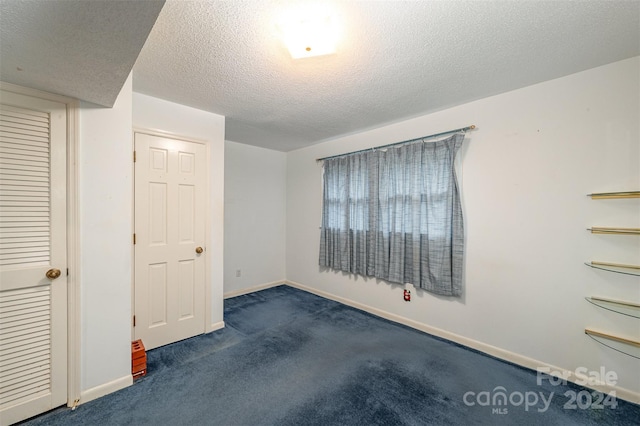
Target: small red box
(138,359)
(137,349)
(139,364)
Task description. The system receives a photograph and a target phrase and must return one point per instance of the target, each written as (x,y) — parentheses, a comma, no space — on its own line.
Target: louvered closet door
(33,307)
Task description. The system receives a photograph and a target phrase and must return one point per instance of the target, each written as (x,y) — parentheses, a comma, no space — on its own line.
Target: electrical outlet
(238,273)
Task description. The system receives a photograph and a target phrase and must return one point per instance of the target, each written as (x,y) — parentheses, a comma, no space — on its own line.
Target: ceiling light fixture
(310,32)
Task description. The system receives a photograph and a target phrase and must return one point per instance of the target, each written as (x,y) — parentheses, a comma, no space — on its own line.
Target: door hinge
(134,156)
(134,238)
(134,320)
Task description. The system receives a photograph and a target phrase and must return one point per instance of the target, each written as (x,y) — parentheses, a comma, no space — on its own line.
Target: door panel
(33,310)
(170,180)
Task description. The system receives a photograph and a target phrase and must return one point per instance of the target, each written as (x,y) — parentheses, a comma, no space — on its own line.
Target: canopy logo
(500,400)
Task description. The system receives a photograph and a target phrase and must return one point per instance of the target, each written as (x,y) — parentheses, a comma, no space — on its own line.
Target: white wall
(526,171)
(105,176)
(255,216)
(160,115)
(105,202)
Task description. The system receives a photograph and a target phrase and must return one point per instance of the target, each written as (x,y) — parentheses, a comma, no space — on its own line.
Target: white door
(33,307)
(170,206)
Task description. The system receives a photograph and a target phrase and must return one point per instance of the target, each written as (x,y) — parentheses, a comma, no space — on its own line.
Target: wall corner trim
(215,327)
(106,388)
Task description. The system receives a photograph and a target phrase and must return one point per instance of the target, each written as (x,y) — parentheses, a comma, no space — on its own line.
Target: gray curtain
(395,214)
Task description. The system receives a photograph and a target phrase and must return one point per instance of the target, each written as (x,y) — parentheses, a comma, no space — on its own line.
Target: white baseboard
(106,388)
(503,354)
(253,289)
(215,326)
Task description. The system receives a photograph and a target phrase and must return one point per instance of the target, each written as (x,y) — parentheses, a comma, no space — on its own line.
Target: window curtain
(395,214)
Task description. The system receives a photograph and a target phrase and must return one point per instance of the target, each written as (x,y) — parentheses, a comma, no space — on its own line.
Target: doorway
(170,235)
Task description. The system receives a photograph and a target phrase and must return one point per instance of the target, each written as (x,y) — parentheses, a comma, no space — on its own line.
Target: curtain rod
(462,129)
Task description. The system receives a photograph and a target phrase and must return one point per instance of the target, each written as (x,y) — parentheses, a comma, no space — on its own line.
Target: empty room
(279,212)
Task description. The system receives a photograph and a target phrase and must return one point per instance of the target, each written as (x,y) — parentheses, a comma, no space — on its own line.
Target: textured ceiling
(82,49)
(395,60)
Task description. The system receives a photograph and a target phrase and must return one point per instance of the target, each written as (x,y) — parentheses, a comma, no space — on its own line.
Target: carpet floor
(288,357)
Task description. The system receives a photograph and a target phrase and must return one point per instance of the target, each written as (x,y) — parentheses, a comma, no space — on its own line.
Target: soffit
(77,48)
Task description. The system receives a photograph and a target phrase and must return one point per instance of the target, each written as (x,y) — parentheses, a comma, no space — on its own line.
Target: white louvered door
(170,205)
(33,308)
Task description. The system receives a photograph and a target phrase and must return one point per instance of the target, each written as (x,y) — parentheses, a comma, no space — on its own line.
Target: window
(395,214)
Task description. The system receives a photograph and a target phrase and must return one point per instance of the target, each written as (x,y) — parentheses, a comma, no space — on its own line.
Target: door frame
(73,242)
(207,222)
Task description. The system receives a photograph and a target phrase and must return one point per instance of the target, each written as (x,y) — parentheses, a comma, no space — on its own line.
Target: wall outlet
(238,273)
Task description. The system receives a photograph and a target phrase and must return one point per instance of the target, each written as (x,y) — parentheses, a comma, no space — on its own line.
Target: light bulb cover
(309,36)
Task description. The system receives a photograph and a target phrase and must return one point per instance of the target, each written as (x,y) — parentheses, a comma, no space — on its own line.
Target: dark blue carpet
(287,357)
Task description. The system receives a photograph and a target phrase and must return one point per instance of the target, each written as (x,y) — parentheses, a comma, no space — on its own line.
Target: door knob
(53,273)
(199,250)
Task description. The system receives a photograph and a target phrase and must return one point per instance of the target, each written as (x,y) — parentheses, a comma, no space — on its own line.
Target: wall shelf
(618,268)
(597,335)
(631,309)
(623,307)
(608,195)
(614,231)
(619,339)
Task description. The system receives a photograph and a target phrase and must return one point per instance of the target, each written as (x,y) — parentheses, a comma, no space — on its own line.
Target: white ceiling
(78,48)
(395,60)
